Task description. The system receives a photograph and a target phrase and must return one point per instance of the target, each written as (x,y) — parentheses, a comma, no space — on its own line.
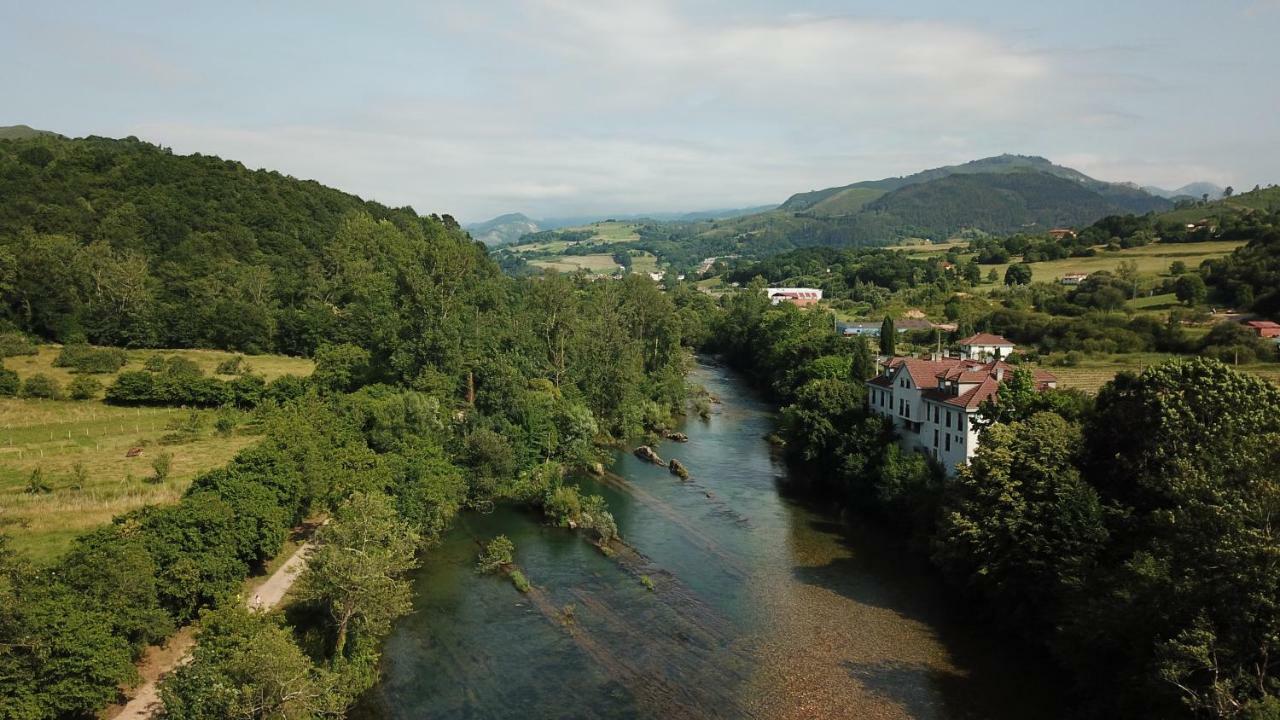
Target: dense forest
(440,384)
(1130,534)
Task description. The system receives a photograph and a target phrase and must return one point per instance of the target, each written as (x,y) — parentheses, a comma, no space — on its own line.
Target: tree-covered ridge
(124,243)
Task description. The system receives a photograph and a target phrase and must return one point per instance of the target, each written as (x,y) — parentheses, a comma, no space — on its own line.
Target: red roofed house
(1264,328)
(985,345)
(933,403)
(804,297)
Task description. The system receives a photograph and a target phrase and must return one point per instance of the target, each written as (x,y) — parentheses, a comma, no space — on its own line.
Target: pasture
(65,466)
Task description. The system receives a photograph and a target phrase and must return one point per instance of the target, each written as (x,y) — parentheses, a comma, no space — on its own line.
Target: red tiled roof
(985,339)
(1263,324)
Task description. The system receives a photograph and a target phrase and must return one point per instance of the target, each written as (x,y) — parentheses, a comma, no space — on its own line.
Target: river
(763,606)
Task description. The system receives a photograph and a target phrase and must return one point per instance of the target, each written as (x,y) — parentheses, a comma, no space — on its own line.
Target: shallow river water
(763,607)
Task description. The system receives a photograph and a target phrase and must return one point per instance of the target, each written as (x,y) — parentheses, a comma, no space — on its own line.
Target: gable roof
(985,339)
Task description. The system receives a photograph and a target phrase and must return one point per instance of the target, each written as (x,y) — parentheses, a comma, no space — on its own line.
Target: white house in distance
(985,345)
(803,297)
(933,403)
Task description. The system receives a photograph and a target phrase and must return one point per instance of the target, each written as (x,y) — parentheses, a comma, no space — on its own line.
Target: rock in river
(644,452)
(678,468)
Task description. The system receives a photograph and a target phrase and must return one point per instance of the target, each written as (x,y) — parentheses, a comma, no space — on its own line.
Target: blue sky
(553,107)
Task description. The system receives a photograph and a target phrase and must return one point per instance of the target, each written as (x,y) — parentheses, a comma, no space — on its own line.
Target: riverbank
(762,606)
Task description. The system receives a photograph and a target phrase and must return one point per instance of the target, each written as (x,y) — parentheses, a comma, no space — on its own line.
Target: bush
(87,359)
(155,363)
(41,386)
(84,388)
(9,382)
(14,343)
(231,366)
(520,581)
(36,484)
(498,553)
(161,465)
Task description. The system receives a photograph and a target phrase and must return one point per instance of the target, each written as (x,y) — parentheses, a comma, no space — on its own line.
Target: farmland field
(1153,259)
(573,263)
(64,465)
(1093,372)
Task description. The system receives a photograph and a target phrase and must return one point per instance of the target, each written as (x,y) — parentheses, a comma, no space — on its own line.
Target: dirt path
(161,660)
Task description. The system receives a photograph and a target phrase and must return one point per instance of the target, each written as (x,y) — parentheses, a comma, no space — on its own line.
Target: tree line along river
(763,606)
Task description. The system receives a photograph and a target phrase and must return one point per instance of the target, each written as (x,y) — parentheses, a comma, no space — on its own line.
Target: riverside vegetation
(1129,534)
(439,384)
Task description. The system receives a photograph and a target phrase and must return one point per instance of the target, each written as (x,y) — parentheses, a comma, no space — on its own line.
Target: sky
(557,108)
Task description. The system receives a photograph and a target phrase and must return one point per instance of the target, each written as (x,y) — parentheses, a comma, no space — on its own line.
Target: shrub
(36,484)
(231,366)
(225,423)
(84,387)
(155,363)
(15,343)
(9,382)
(41,386)
(498,553)
(161,465)
(520,581)
(88,359)
(79,476)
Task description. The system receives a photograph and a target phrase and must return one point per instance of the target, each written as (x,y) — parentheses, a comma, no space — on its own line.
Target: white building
(984,346)
(799,296)
(933,403)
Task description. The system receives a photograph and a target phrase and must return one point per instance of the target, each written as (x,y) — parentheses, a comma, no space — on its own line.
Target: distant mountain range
(1196,190)
(507,229)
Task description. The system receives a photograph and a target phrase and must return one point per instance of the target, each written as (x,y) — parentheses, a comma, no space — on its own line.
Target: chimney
(999,374)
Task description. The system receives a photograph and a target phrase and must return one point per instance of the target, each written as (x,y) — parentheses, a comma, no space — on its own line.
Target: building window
(935,440)
(948,442)
(948,418)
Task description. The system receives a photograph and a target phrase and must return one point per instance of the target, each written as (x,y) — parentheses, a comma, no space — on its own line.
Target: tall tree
(888,337)
(863,365)
(357,567)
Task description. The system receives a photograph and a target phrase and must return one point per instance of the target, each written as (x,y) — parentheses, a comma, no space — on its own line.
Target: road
(160,661)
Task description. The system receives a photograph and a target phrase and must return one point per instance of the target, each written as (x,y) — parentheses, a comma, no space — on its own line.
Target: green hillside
(851,198)
(120,242)
(21,132)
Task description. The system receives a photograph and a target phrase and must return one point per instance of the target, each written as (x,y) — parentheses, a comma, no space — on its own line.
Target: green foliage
(1190,289)
(246,665)
(83,387)
(888,337)
(1018,274)
(40,385)
(520,582)
(340,368)
(355,571)
(863,365)
(10,384)
(1020,527)
(37,484)
(84,358)
(498,553)
(14,343)
(232,366)
(161,465)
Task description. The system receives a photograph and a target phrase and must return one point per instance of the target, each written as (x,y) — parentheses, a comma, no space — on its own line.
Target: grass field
(573,263)
(55,437)
(269,366)
(1153,259)
(1094,371)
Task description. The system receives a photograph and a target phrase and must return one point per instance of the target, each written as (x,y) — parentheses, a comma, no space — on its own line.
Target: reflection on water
(762,607)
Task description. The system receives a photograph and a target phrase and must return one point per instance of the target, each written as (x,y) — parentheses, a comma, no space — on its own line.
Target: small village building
(934,404)
(1073,278)
(1264,328)
(984,346)
(803,297)
(1061,233)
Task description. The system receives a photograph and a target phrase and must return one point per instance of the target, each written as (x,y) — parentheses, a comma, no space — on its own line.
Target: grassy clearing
(1094,371)
(59,438)
(572,263)
(270,366)
(55,437)
(644,263)
(1153,259)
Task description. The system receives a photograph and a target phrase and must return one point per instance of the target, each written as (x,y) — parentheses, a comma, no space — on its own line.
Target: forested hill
(852,198)
(122,242)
